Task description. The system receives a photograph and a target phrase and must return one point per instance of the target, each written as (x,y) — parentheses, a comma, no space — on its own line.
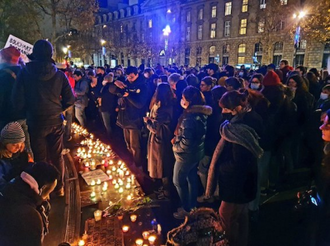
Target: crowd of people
(236,131)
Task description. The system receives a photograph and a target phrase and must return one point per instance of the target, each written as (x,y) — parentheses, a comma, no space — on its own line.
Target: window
(213,30)
(257,47)
(187,52)
(280,26)
(241,48)
(200,14)
(261,26)
(299,60)
(200,32)
(225,60)
(245,5)
(214,11)
(284,2)
(228,8)
(199,51)
(278,47)
(262,4)
(188,16)
(188,33)
(302,45)
(227,29)
(242,29)
(121,28)
(212,50)
(225,49)
(150,23)
(241,60)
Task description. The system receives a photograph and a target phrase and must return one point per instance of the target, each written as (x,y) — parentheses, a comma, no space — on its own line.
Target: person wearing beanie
(44,93)
(13,156)
(271,79)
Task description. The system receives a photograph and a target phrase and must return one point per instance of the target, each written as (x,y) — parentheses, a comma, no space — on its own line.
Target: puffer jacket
(190,134)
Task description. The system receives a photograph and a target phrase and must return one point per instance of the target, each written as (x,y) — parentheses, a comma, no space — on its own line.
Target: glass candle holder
(139,242)
(97,215)
(125,228)
(152,239)
(133,217)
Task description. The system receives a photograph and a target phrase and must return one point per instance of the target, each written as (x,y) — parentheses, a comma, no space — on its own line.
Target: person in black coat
(132,103)
(23,209)
(44,93)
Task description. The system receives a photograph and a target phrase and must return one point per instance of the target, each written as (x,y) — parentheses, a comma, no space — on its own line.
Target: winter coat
(43,92)
(8,76)
(160,154)
(305,105)
(12,167)
(20,221)
(133,107)
(81,91)
(108,100)
(190,134)
(238,169)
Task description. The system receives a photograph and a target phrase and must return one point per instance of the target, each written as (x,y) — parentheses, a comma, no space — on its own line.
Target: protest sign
(24,47)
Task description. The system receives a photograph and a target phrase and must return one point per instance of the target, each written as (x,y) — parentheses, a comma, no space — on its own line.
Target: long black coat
(160,154)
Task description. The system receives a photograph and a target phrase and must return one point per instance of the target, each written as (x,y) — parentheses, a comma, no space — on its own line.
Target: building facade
(192,32)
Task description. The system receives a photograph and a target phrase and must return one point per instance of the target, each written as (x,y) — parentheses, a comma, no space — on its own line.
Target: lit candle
(110,177)
(108,172)
(119,162)
(93,182)
(114,169)
(152,239)
(125,228)
(105,188)
(86,164)
(145,235)
(139,242)
(159,229)
(97,215)
(120,217)
(111,162)
(121,190)
(127,173)
(133,217)
(98,181)
(129,198)
(114,181)
(116,186)
(93,194)
(128,186)
(81,243)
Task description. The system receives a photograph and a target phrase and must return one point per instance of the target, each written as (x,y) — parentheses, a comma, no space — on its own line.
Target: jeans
(49,140)
(69,117)
(133,143)
(235,221)
(109,122)
(185,179)
(80,115)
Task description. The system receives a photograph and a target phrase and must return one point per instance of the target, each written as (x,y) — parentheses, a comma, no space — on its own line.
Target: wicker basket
(201,228)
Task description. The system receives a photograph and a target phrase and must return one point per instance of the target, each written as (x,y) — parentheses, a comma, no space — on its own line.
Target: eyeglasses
(202,85)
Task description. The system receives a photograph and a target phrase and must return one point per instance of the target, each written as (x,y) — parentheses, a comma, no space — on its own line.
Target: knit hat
(12,133)
(10,54)
(271,78)
(42,50)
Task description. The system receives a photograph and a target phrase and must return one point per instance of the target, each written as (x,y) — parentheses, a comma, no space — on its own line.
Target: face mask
(254,86)
(324,96)
(184,104)
(227,116)
(241,74)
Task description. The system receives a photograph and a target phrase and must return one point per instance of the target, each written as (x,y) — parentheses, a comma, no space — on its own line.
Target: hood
(139,81)
(14,68)
(200,109)
(41,69)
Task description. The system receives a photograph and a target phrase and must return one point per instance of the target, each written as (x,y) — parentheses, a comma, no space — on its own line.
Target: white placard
(95,175)
(24,47)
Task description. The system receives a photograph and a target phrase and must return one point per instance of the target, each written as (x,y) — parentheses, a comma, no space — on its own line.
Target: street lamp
(166,33)
(298,17)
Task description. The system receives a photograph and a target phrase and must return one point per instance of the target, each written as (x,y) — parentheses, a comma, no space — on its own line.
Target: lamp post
(103,50)
(298,17)
(166,33)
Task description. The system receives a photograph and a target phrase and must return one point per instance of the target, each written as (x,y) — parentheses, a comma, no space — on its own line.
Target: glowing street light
(103,42)
(167,30)
(299,15)
(65,50)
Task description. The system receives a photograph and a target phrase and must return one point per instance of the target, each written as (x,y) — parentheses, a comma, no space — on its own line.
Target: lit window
(188,33)
(284,2)
(213,30)
(303,44)
(242,29)
(228,8)
(200,14)
(150,23)
(245,5)
(212,50)
(241,48)
(214,11)
(200,32)
(188,16)
(261,26)
(262,4)
(227,29)
(241,60)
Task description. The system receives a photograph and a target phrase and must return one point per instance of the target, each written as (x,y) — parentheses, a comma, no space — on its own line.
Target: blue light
(167,30)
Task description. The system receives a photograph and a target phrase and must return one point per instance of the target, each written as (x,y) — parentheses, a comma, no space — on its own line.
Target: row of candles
(93,153)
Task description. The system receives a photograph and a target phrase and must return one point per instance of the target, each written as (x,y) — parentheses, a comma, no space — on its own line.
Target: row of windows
(227,27)
(228,9)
